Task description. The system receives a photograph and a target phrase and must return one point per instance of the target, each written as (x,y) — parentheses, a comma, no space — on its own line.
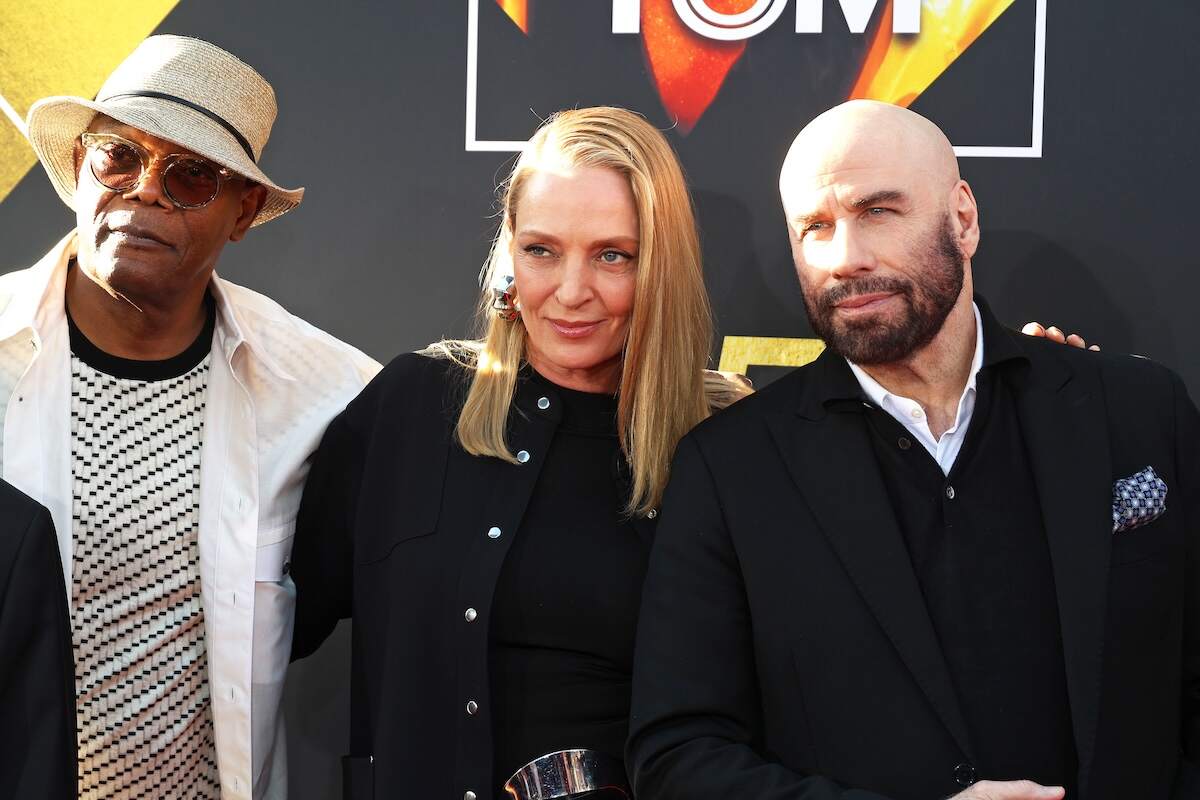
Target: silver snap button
(470,796)
(471,615)
(652,513)
(523,457)
(543,403)
(493,533)
(949,492)
(472,707)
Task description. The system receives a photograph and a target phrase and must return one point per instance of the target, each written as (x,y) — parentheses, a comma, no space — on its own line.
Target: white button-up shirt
(910,414)
(275,384)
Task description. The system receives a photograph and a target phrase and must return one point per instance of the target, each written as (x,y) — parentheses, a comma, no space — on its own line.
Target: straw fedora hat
(184,90)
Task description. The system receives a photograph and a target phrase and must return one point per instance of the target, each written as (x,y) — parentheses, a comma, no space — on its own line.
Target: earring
(504,304)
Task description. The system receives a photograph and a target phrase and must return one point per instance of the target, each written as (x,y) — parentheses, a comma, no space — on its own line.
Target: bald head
(862,135)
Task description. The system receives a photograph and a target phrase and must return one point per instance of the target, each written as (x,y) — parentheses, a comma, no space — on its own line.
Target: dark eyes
(120,154)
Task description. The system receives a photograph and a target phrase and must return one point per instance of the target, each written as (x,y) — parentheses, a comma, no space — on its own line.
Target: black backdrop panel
(1096,235)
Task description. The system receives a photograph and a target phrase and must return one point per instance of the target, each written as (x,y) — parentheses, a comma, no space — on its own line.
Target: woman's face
(575,251)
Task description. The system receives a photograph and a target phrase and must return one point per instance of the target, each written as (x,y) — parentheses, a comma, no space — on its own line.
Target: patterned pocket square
(1138,500)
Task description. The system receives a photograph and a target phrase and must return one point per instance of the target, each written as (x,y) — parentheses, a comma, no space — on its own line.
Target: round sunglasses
(118,164)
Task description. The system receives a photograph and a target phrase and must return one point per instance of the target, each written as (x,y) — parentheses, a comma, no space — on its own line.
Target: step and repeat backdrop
(1076,122)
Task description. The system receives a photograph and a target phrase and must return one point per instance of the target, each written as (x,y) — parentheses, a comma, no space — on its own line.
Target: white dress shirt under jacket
(910,414)
(276,382)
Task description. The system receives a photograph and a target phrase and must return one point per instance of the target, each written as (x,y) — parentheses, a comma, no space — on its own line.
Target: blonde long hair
(664,390)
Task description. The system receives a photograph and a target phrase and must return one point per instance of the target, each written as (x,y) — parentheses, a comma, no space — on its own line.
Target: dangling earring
(504,303)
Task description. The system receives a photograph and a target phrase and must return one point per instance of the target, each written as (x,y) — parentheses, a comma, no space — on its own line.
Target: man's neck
(936,375)
(128,328)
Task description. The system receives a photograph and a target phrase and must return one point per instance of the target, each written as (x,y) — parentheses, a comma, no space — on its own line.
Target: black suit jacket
(37,673)
(784,649)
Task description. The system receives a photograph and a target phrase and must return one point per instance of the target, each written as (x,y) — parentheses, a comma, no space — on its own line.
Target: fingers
(1054,334)
(1011,790)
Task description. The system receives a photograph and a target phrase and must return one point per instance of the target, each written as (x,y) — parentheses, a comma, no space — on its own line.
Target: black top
(566,602)
(978,549)
(138,370)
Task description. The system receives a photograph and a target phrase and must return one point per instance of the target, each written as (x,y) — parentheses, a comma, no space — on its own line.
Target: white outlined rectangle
(1034,150)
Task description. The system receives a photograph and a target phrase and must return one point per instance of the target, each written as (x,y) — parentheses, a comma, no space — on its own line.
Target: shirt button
(964,774)
(469,795)
(904,443)
(472,707)
(493,533)
(917,413)
(949,492)
(543,403)
(522,456)
(471,615)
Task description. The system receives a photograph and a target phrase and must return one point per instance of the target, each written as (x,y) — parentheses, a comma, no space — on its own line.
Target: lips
(574,329)
(136,234)
(864,301)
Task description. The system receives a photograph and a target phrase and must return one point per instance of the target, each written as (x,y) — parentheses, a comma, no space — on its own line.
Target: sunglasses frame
(91,142)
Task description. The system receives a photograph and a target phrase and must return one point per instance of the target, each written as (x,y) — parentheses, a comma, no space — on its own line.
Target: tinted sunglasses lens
(191,182)
(115,165)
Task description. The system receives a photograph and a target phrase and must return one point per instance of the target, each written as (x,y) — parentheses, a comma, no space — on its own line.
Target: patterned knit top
(141,667)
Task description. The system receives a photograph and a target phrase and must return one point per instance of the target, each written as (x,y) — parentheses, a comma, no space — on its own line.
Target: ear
(253,197)
(965,214)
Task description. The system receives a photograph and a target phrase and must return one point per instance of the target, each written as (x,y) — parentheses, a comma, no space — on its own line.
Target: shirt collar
(879,396)
(38,303)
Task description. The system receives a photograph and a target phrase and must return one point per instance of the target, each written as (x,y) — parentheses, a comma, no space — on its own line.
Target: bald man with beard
(944,559)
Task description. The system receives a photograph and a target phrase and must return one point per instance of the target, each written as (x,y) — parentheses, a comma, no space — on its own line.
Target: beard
(875,341)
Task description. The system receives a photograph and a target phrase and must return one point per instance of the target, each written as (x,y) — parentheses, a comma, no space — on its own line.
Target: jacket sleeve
(322,553)
(696,724)
(37,674)
(1187,448)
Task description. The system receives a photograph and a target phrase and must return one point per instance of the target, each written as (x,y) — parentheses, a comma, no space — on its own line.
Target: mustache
(869,285)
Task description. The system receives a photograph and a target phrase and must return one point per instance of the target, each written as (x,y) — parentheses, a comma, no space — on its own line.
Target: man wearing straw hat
(165,417)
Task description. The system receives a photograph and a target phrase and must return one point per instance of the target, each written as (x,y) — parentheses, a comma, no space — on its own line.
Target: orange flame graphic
(518,12)
(689,69)
(898,69)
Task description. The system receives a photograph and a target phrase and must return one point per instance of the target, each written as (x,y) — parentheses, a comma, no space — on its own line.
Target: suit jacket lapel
(831,460)
(1066,435)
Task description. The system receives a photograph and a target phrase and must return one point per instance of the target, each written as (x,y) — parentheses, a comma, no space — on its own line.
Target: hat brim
(55,124)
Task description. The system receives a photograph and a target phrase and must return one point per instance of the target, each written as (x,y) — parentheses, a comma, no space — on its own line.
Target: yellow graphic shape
(899,68)
(739,353)
(52,47)
(518,12)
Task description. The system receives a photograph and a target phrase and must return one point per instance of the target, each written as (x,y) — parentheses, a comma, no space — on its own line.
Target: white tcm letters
(762,14)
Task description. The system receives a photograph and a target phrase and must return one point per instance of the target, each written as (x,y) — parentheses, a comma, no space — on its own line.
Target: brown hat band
(201,109)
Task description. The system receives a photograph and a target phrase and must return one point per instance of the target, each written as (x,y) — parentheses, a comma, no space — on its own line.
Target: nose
(845,254)
(575,287)
(149,189)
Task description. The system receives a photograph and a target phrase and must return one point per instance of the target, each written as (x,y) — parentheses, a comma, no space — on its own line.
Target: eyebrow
(882,196)
(613,241)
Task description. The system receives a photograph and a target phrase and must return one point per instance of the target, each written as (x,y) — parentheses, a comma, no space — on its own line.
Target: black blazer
(37,670)
(403,530)
(784,649)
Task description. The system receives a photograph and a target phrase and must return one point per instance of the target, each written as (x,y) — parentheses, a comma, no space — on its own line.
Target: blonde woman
(484,510)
